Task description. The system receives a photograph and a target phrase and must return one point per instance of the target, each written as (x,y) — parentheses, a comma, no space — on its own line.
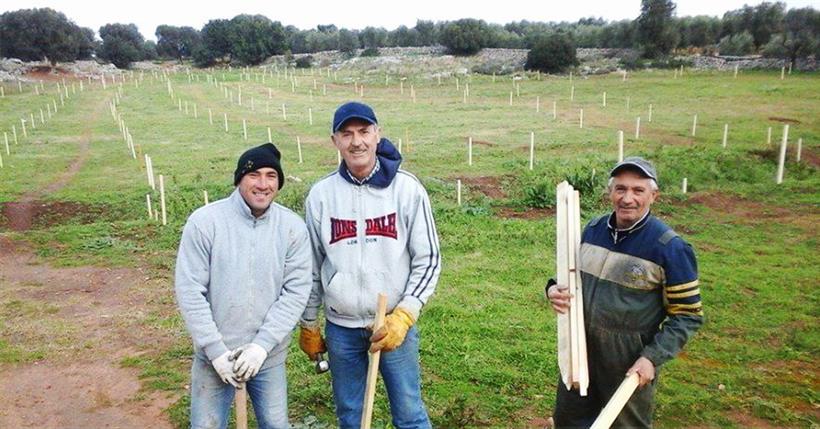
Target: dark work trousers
(610,353)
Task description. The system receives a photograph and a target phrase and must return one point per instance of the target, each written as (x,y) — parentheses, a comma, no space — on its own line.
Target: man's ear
(333,140)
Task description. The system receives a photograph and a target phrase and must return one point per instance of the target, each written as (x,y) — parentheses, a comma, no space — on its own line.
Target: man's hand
(311,341)
(645,370)
(392,333)
(224,367)
(559,297)
(247,361)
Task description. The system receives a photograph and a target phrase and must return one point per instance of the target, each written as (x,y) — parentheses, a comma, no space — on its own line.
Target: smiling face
(258,188)
(357,140)
(631,195)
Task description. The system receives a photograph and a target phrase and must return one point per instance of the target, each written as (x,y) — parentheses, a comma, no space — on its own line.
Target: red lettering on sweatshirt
(384,226)
(341,229)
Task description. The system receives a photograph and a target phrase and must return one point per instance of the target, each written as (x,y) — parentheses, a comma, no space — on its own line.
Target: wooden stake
(581,119)
(616,403)
(148,204)
(799,148)
(782,159)
(603,102)
(162,199)
(284,112)
(769,136)
(6,138)
(245,129)
(782,72)
(554,109)
(620,145)
(373,367)
(458,191)
(469,151)
(210,117)
(205,195)
(532,149)
(684,185)
(638,128)
(537,104)
(725,133)
(299,148)
(694,125)
(310,115)
(649,118)
(735,71)
(572,93)
(511,97)
(225,118)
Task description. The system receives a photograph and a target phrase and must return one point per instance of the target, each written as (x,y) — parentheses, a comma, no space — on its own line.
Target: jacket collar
(388,160)
(619,234)
(242,207)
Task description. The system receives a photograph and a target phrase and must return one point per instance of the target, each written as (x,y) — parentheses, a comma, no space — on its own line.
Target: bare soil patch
(487,185)
(25,215)
(784,120)
(527,213)
(95,317)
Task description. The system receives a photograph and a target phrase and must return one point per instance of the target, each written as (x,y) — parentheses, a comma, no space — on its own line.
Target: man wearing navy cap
(641,299)
(242,281)
(372,231)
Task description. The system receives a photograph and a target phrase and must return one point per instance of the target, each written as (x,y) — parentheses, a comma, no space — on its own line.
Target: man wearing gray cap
(641,299)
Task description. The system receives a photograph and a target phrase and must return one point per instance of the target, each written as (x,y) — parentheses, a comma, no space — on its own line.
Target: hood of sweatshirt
(389,160)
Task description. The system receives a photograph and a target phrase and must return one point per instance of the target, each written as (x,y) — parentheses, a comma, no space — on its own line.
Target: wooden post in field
(299,148)
(532,149)
(603,102)
(186,107)
(624,79)
(458,88)
(399,146)
(14,133)
(401,87)
(725,133)
(638,128)
(245,129)
(6,139)
(32,123)
(270,140)
(790,68)
(694,124)
(620,145)
(511,98)
(225,119)
(769,136)
(148,204)
(373,366)
(649,118)
(205,195)
(554,109)
(735,71)
(782,159)
(581,119)
(458,191)
(162,199)
(572,93)
(782,74)
(210,116)
(310,115)
(799,148)
(537,104)
(684,185)
(469,151)
(23,125)
(616,403)
(284,112)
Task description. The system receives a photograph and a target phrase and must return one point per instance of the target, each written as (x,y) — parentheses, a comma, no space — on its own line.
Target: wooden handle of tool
(616,403)
(241,404)
(373,366)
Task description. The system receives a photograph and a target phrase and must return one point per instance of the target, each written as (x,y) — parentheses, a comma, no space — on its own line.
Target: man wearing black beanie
(243,278)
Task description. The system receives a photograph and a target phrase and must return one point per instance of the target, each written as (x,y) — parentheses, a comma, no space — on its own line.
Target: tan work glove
(392,333)
(311,341)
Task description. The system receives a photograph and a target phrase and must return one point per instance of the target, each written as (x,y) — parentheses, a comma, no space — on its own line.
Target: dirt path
(70,328)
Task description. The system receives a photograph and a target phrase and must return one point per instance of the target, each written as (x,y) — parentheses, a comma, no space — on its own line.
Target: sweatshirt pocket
(342,295)
(374,283)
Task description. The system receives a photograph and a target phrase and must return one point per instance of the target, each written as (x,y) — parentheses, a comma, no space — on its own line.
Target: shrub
(737,44)
(304,62)
(465,36)
(370,52)
(552,54)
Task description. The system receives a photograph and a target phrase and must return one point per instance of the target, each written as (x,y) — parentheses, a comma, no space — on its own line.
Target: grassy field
(488,347)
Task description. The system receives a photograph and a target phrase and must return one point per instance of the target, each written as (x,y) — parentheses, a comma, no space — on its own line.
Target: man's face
(631,195)
(258,188)
(357,141)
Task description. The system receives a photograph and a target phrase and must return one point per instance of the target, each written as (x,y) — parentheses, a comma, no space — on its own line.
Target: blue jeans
(211,398)
(400,370)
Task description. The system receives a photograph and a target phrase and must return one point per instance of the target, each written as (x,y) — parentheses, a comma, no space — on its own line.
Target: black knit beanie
(258,157)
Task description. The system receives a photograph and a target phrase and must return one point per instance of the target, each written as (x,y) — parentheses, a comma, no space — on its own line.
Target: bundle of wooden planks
(572,344)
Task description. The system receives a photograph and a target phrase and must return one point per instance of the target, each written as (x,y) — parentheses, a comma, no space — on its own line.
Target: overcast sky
(357,14)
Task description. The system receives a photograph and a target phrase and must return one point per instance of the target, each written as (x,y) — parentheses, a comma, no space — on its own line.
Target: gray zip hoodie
(242,279)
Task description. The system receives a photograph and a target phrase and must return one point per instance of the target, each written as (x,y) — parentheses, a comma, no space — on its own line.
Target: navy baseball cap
(638,164)
(351,110)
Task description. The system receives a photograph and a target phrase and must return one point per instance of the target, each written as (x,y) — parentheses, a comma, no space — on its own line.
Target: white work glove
(247,360)
(224,367)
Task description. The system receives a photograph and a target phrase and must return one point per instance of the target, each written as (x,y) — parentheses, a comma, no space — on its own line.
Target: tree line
(767,28)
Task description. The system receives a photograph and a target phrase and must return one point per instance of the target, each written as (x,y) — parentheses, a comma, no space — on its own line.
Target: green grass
(488,347)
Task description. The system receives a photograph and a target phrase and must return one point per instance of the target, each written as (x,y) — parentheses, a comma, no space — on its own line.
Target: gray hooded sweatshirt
(242,279)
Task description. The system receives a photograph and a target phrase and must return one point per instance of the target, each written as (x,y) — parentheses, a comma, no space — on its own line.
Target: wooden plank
(572,216)
(564,360)
(583,370)
(616,403)
(241,404)
(373,367)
